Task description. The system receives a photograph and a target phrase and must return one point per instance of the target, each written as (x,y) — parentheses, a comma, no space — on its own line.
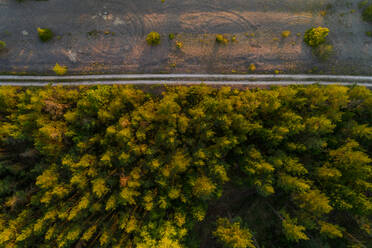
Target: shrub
(221,39)
(153,38)
(286,33)
(252,67)
(367,14)
(316,36)
(179,44)
(60,70)
(2,45)
(171,36)
(45,34)
(323,51)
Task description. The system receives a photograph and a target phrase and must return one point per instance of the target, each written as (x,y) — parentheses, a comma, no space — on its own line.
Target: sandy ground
(96,36)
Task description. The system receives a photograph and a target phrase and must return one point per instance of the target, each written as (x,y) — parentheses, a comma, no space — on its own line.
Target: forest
(192,166)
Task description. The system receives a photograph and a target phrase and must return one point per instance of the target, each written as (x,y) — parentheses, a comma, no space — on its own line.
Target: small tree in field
(45,34)
(153,38)
(316,36)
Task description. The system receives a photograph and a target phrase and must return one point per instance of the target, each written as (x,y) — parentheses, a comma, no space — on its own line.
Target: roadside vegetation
(111,166)
(59,69)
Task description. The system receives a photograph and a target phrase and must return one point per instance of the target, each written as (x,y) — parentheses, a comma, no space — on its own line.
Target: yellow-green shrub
(153,38)
(316,36)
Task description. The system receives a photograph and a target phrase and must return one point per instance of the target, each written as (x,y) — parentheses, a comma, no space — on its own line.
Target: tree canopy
(114,166)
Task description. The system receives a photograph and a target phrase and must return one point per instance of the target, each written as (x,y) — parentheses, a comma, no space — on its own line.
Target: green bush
(316,36)
(286,33)
(171,36)
(113,166)
(2,45)
(179,44)
(221,39)
(45,34)
(60,70)
(367,14)
(153,38)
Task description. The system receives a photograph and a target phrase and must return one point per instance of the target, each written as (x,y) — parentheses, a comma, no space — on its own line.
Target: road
(213,79)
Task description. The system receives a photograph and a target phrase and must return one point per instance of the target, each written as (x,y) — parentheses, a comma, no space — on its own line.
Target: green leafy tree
(232,235)
(316,36)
